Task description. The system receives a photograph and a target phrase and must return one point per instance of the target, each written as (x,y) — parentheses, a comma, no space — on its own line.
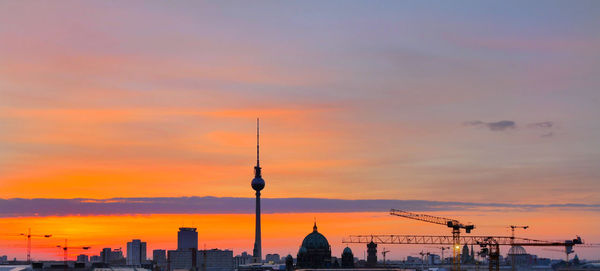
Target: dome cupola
(315,240)
(517,250)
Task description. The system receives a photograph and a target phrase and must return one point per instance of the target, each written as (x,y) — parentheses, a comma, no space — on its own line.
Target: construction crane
(490,244)
(28,235)
(66,248)
(450,223)
(513,227)
(512,230)
(568,250)
(384,252)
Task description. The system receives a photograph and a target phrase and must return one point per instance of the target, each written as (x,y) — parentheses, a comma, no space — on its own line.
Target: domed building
(519,256)
(517,250)
(347,258)
(315,251)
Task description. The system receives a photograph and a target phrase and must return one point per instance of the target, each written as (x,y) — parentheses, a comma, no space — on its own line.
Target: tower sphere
(258,183)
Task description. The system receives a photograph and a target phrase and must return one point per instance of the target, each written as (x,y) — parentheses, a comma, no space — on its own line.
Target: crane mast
(28,235)
(384,252)
(512,230)
(65,248)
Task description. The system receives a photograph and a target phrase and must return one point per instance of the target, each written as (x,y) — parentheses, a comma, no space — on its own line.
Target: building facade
(242,259)
(215,260)
(136,252)
(105,254)
(182,260)
(159,258)
(112,257)
(82,258)
(187,238)
(201,260)
(273,258)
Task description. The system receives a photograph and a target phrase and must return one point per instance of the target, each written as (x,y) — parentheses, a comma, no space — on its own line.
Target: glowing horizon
(282,233)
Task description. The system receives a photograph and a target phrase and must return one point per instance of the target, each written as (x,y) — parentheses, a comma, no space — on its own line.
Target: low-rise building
(203,260)
(159,258)
(182,259)
(242,259)
(273,258)
(215,260)
(82,258)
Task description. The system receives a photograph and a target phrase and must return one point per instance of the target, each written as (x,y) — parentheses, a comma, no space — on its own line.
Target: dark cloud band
(213,205)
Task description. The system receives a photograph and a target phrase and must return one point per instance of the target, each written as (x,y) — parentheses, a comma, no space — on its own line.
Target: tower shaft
(257,253)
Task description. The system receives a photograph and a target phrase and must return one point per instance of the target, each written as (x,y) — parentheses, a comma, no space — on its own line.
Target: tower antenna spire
(257,142)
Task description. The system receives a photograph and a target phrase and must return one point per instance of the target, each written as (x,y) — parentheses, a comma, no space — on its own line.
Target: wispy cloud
(228,205)
(494,126)
(550,134)
(541,125)
(544,126)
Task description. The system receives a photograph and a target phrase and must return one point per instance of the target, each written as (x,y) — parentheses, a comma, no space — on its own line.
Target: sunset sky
(492,106)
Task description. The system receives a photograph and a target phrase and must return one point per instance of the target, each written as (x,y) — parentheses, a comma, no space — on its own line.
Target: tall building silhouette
(106,254)
(136,252)
(371,254)
(257,184)
(185,257)
(187,238)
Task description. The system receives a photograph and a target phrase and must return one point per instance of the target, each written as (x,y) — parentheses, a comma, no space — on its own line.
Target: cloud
(541,125)
(501,125)
(545,127)
(18,207)
(494,126)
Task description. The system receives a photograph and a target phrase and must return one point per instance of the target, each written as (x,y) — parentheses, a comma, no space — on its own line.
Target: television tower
(257,184)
